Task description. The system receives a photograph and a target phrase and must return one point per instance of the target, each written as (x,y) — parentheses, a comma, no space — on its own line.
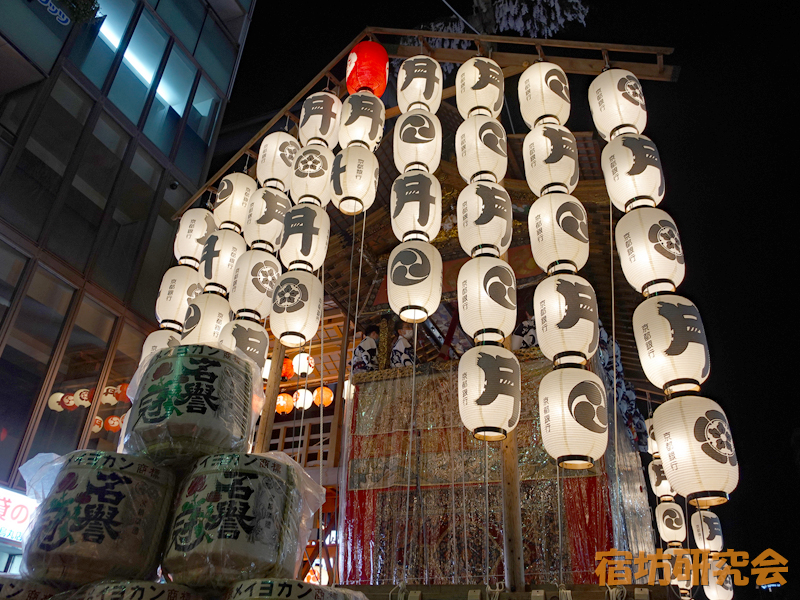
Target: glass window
(170,101)
(97,43)
(39,29)
(11,265)
(61,425)
(15,107)
(159,255)
(116,258)
(25,358)
(113,403)
(185,18)
(78,221)
(215,53)
(28,195)
(138,69)
(199,129)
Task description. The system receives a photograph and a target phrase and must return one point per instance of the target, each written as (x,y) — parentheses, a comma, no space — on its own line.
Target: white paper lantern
(652,446)
(354,180)
(178,285)
(265,370)
(684,585)
(559,230)
(565,308)
(263,227)
(303,399)
(544,93)
(485,219)
(414,281)
(206,316)
(296,308)
(658,480)
(650,251)
(97,425)
(196,225)
(416,206)
(417,141)
(480,87)
(276,160)
(249,336)
(363,115)
(254,280)
(573,417)
(160,339)
(707,531)
(697,449)
(487,299)
(671,523)
(419,84)
(632,172)
(489,385)
(481,149)
(218,261)
(303,364)
(319,120)
(715,591)
(550,154)
(233,198)
(306,231)
(672,343)
(617,103)
(108,395)
(311,178)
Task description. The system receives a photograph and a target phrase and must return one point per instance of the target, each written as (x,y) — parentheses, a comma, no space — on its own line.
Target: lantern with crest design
(233,199)
(303,364)
(559,231)
(179,285)
(550,154)
(419,84)
(218,262)
(485,221)
(319,120)
(414,281)
(195,227)
(354,180)
(671,523)
(311,177)
(160,339)
(263,227)
(276,160)
(544,94)
(574,417)
(417,141)
(697,449)
(416,206)
(707,531)
(632,172)
(306,232)
(296,308)
(481,149)
(254,280)
(205,317)
(489,391)
(617,103)
(363,115)
(658,480)
(248,336)
(487,299)
(480,88)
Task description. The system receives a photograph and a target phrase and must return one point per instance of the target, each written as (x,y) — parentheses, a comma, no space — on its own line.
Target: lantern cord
(408,456)
(614,362)
(358,283)
(321,408)
(510,120)
(455,12)
(246,162)
(486,512)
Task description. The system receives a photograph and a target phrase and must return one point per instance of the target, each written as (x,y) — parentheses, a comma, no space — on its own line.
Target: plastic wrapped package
(103,517)
(239,516)
(282,589)
(192,401)
(16,588)
(134,590)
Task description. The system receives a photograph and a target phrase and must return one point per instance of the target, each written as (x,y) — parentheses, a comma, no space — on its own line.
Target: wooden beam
(334,450)
(513,558)
(270,399)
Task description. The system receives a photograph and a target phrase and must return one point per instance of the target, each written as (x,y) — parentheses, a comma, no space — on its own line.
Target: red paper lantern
(367,68)
(326,393)
(287,371)
(284,404)
(113,423)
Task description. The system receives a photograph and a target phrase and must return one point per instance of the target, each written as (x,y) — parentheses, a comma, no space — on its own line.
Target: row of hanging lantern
(414,276)
(572,400)
(489,379)
(692,432)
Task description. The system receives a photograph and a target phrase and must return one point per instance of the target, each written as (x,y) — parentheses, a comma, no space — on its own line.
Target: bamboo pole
(270,398)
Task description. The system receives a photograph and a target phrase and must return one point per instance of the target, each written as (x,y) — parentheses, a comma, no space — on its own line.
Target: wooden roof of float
(514,55)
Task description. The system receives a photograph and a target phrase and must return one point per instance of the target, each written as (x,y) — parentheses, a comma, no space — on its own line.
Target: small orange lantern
(113,423)
(326,393)
(367,68)
(287,371)
(284,404)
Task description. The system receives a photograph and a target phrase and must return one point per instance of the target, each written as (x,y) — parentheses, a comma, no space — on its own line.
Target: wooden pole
(512,516)
(270,398)
(334,450)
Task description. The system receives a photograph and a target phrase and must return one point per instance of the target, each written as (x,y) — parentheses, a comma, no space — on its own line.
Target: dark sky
(720,130)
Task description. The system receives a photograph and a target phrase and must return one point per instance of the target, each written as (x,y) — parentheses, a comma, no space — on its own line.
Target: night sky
(720,131)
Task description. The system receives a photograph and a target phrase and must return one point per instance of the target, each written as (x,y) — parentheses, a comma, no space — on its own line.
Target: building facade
(106,128)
